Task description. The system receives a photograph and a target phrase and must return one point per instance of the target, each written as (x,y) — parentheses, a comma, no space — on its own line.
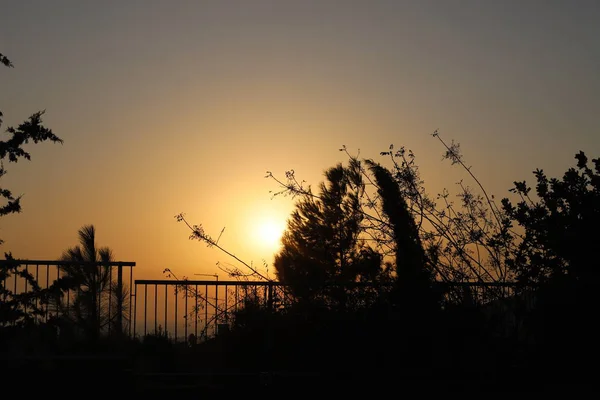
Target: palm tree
(89,280)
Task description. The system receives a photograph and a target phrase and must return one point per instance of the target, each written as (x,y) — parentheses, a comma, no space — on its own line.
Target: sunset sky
(182,106)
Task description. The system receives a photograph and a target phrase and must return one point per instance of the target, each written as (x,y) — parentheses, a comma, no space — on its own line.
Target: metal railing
(47,272)
(191,310)
(197,307)
(194,310)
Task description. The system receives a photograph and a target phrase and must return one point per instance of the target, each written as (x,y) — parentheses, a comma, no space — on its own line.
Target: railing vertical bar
(226,305)
(216,319)
(196,313)
(98,270)
(166,298)
(109,296)
(185,314)
(175,320)
(156,308)
(270,297)
(47,286)
(206,311)
(120,298)
(37,274)
(145,306)
(14,322)
(68,298)
(130,294)
(134,312)
(26,273)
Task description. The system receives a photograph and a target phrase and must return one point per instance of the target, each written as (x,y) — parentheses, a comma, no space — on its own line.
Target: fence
(197,307)
(179,309)
(203,308)
(45,273)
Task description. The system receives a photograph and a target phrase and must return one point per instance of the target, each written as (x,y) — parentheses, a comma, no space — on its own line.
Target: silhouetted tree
(464,242)
(558,254)
(31,130)
(560,225)
(20,309)
(323,253)
(414,273)
(428,240)
(95,294)
(410,256)
(17,309)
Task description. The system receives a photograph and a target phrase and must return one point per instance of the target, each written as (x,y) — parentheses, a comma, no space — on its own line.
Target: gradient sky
(182,106)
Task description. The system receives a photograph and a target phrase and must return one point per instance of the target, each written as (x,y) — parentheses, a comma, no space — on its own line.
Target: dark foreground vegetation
(356,319)
(387,290)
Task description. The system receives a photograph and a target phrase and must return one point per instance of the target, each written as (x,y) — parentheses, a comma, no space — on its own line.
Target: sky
(183,106)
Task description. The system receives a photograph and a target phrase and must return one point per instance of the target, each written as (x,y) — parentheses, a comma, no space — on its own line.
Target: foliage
(559,225)
(557,254)
(472,241)
(30,130)
(474,246)
(96,296)
(467,241)
(323,255)
(20,309)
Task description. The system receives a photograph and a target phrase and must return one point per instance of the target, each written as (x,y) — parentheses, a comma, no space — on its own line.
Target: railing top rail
(276,283)
(205,282)
(484,284)
(60,262)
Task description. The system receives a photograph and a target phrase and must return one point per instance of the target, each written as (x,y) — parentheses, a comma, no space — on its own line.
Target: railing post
(270,297)
(119,299)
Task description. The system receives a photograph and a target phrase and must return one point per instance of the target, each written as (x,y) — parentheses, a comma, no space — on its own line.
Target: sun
(269,232)
(264,225)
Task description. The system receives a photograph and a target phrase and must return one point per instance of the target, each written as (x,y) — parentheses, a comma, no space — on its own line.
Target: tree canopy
(19,308)
(323,252)
(560,225)
(31,130)
(95,297)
